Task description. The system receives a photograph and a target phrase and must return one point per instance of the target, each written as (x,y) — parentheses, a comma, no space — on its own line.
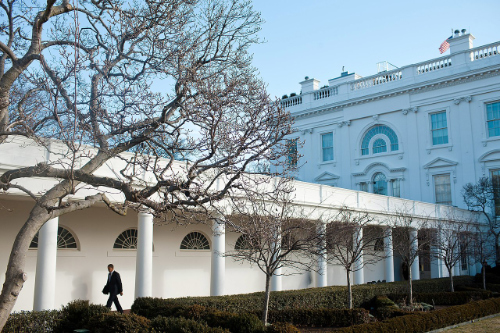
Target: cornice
(410,89)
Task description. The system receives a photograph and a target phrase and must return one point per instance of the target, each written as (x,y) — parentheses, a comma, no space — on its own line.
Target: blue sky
(316,38)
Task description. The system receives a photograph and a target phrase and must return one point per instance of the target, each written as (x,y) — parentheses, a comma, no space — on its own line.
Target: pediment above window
(492,155)
(326,177)
(439,163)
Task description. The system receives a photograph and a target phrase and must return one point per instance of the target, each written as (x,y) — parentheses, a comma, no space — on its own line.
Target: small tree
(350,237)
(482,248)
(406,243)
(451,243)
(480,197)
(275,234)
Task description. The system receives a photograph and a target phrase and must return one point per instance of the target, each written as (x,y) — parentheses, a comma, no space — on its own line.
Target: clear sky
(316,38)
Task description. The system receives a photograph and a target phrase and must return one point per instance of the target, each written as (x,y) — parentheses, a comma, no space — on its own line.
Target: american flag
(444,45)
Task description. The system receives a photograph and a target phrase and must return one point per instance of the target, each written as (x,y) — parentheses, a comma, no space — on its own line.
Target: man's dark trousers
(114,285)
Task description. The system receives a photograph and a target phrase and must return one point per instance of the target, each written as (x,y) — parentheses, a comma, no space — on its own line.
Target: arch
(195,241)
(127,240)
(379,146)
(243,243)
(379,129)
(65,240)
(379,183)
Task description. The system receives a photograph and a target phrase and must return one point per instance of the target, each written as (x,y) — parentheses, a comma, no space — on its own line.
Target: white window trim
(320,145)
(487,136)
(452,185)
(448,145)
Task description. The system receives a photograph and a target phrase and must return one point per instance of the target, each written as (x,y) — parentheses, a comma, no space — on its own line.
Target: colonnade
(47,255)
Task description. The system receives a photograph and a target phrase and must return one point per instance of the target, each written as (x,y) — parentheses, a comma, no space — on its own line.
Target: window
(439,128)
(379,146)
(327,146)
(127,240)
(463,252)
(292,152)
(195,241)
(379,184)
(65,240)
(442,187)
(243,243)
(493,118)
(363,187)
(396,189)
(379,129)
(495,179)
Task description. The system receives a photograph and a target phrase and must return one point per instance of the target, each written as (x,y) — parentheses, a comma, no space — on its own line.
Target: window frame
(433,130)
(487,120)
(451,188)
(332,147)
(293,162)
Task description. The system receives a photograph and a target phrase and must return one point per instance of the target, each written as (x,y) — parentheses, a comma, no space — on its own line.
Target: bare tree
(350,238)
(84,75)
(482,248)
(451,243)
(275,234)
(406,242)
(480,197)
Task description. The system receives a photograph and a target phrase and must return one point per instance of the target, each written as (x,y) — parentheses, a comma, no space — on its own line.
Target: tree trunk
(410,286)
(349,290)
(450,271)
(267,294)
(15,275)
(497,249)
(484,276)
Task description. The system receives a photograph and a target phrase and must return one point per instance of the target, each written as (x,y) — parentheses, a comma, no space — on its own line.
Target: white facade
(160,267)
(427,128)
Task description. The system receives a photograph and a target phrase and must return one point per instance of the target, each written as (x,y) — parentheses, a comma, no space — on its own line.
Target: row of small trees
(277,235)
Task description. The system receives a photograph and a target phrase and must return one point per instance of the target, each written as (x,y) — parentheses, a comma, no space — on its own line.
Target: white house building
(68,259)
(419,132)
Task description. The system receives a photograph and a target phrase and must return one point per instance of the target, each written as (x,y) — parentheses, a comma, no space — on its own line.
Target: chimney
(309,85)
(461,42)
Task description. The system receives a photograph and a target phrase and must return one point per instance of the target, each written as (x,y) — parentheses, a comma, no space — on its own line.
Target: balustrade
(326,92)
(484,52)
(375,80)
(291,101)
(433,65)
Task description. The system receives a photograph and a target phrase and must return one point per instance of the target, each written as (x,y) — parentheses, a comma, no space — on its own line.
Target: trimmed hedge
(116,322)
(32,321)
(427,321)
(182,325)
(334,297)
(319,317)
(77,315)
(445,298)
(282,328)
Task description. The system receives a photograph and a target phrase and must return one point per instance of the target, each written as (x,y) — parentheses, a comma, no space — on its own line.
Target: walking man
(114,287)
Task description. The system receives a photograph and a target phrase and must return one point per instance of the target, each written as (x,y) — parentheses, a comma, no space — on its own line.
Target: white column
(218,269)
(436,262)
(472,266)
(321,280)
(358,265)
(389,259)
(45,278)
(144,260)
(415,272)
(389,188)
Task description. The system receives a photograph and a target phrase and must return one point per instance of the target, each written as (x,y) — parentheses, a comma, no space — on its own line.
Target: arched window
(379,146)
(379,129)
(243,243)
(195,241)
(379,184)
(65,240)
(127,240)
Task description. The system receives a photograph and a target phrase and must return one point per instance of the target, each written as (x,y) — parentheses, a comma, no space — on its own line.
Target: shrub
(293,94)
(77,314)
(328,297)
(319,317)
(427,321)
(153,307)
(445,298)
(282,328)
(32,321)
(182,325)
(116,322)
(284,97)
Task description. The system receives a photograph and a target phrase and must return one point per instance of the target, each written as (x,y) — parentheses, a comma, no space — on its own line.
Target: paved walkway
(486,325)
